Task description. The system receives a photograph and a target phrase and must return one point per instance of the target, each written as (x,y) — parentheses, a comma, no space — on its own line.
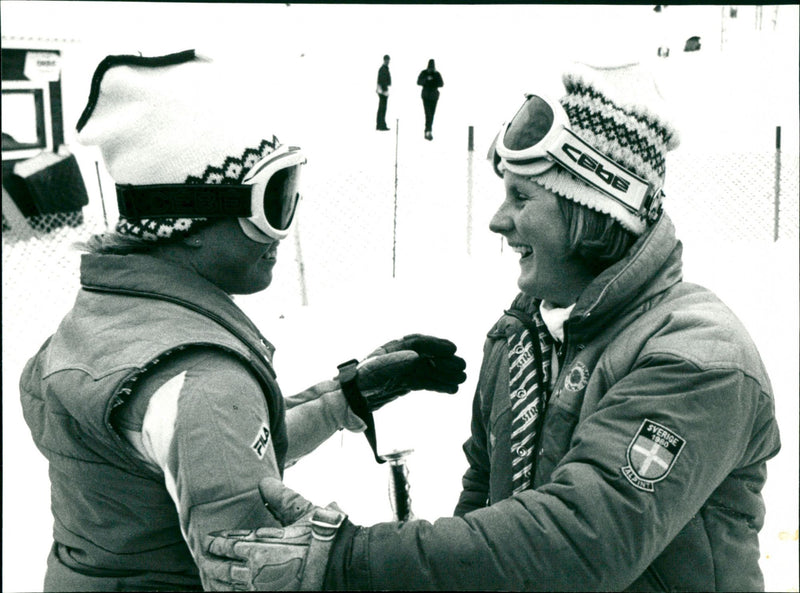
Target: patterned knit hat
(172,120)
(619,111)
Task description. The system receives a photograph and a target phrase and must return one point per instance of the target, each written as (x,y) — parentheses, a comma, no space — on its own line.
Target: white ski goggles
(265,202)
(539,136)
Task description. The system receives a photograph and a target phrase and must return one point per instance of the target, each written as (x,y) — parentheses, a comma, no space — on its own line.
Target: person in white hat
(622,420)
(155,401)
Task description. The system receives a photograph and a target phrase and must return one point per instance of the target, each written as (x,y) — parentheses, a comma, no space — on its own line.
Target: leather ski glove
(414,362)
(289,558)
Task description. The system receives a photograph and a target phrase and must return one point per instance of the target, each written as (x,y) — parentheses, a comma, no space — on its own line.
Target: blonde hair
(598,239)
(113,243)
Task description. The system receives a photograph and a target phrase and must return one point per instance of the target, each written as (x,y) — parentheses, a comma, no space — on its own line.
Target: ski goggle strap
(539,136)
(265,202)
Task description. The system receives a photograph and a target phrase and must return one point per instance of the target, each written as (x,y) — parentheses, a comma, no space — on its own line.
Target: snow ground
(488,54)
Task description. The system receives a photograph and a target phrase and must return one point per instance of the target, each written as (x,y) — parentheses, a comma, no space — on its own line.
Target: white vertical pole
(394,227)
(777,182)
(722,29)
(300,264)
(102,199)
(470,151)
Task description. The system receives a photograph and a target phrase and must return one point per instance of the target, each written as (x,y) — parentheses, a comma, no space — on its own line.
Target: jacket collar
(144,275)
(652,266)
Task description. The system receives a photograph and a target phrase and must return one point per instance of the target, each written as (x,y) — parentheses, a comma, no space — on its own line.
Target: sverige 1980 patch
(651,454)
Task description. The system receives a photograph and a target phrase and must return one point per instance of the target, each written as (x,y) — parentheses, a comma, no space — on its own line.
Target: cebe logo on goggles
(539,136)
(265,202)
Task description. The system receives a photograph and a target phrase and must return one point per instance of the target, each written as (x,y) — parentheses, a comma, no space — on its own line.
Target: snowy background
(382,259)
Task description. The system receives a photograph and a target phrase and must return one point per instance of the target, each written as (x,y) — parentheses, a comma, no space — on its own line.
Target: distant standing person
(384,82)
(430,80)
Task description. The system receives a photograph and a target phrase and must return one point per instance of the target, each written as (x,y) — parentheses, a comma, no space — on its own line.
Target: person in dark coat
(430,80)
(384,82)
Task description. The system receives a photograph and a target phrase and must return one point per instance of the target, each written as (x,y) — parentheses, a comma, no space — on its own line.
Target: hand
(415,362)
(289,558)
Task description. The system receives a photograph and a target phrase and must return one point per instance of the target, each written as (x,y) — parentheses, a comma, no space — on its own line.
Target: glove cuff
(348,379)
(325,523)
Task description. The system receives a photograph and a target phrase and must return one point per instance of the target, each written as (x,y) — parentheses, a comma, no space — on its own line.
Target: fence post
(301,268)
(102,199)
(394,223)
(777,182)
(470,150)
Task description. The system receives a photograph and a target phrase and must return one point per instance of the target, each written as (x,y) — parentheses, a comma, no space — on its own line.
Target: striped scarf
(529,362)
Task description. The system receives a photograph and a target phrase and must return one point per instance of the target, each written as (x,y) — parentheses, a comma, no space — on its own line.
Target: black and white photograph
(314,296)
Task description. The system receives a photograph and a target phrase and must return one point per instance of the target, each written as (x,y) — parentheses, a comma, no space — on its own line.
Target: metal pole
(300,265)
(100,185)
(470,150)
(394,223)
(777,181)
(399,487)
(722,29)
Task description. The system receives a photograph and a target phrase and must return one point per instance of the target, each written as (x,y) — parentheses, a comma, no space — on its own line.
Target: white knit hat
(620,112)
(173,119)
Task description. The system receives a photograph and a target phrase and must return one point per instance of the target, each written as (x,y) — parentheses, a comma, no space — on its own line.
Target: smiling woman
(613,397)
(532,221)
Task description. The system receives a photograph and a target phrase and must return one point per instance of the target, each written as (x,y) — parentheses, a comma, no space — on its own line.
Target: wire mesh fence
(734,196)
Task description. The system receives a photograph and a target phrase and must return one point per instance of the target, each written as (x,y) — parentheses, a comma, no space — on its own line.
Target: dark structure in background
(692,44)
(40,176)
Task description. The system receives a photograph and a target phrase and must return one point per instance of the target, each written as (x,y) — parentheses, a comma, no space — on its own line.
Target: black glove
(289,558)
(415,362)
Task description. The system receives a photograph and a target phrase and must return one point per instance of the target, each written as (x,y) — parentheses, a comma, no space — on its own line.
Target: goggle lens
(530,125)
(539,136)
(281,196)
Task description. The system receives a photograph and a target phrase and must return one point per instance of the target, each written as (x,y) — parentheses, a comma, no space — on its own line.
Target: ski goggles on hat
(539,136)
(265,202)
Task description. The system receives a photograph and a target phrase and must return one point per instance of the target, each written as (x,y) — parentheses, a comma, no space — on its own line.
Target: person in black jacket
(430,80)
(384,82)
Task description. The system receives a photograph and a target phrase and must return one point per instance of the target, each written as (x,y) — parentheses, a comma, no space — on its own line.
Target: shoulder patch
(651,454)
(261,441)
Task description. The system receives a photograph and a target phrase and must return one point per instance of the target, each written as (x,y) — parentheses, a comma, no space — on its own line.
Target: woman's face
(531,221)
(233,261)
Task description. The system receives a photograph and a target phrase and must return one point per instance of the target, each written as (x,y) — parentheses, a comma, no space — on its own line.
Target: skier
(155,401)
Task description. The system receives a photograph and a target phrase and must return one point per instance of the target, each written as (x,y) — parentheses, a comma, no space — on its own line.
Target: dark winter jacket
(431,81)
(115,524)
(384,79)
(651,465)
